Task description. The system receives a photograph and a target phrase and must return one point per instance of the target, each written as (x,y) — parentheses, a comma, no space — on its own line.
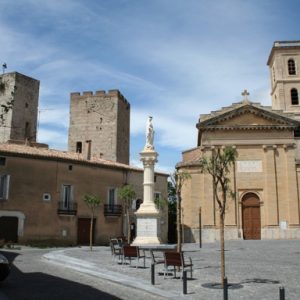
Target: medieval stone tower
(284,64)
(100,125)
(20,92)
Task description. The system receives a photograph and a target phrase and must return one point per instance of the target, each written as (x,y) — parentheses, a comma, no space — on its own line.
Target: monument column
(148,225)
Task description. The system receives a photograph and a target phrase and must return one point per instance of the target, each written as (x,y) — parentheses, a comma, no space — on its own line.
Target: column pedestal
(148,220)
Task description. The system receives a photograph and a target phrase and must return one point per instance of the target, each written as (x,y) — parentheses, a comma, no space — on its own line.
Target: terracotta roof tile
(61,155)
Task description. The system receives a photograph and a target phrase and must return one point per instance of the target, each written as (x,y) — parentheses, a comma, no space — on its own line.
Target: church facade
(265,176)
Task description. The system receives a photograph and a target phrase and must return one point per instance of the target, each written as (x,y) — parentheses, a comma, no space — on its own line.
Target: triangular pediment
(247,115)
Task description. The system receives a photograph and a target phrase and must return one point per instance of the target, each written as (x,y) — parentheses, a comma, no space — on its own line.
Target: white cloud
(55,116)
(173,62)
(55,139)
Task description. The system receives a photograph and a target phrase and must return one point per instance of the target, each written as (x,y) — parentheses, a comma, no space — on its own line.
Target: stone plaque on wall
(249,166)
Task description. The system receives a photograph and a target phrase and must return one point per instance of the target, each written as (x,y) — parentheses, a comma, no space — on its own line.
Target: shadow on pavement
(23,286)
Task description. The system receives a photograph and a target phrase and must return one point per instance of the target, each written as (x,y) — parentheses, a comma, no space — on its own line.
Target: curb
(59,258)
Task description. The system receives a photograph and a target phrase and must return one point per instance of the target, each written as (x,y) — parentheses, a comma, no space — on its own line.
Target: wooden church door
(251,217)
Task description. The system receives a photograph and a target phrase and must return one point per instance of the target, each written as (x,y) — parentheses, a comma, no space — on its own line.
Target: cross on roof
(245,93)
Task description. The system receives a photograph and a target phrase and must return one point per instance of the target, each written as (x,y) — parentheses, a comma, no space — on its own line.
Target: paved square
(255,268)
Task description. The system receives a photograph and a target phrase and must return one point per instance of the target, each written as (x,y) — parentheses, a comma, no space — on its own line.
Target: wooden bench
(130,252)
(175,260)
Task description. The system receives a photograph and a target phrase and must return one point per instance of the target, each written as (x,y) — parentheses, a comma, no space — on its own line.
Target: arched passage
(251,217)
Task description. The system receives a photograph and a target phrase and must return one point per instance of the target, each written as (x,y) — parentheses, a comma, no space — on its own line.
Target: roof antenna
(4,67)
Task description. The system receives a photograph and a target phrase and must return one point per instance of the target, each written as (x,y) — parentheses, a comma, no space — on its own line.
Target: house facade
(42,190)
(265,177)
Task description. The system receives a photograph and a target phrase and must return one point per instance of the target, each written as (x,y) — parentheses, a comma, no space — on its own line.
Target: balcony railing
(112,210)
(69,208)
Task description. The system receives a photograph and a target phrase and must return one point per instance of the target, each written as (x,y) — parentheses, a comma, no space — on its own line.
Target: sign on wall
(249,166)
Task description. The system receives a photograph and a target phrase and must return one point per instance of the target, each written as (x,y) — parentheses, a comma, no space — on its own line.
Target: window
(294,97)
(47,197)
(2,161)
(157,198)
(138,203)
(67,195)
(111,197)
(4,186)
(27,130)
(79,147)
(291,67)
(297,133)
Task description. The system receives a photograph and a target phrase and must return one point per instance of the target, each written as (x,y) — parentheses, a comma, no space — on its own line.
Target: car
(4,267)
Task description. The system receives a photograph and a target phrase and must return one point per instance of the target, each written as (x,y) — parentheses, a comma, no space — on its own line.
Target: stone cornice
(247,127)
(281,121)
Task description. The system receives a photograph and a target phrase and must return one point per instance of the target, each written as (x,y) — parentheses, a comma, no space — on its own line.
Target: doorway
(251,217)
(9,229)
(83,231)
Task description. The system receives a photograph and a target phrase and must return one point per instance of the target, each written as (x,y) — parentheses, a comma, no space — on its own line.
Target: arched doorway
(251,217)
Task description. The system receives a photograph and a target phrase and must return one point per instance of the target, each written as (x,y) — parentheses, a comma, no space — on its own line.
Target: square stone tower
(21,93)
(284,65)
(100,125)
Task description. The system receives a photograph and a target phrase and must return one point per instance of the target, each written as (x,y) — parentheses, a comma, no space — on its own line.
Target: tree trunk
(91,231)
(222,248)
(128,227)
(179,245)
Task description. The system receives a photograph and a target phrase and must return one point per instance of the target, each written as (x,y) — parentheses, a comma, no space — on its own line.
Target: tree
(178,178)
(92,202)
(172,213)
(127,194)
(218,166)
(8,105)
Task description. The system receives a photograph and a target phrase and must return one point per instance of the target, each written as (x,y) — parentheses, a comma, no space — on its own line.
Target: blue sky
(171,59)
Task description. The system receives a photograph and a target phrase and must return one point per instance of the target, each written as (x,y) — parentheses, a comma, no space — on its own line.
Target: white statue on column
(149,134)
(148,222)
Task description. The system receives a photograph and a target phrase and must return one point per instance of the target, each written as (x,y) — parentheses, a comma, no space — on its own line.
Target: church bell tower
(284,65)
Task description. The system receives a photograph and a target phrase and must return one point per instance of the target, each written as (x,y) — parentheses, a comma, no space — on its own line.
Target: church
(265,176)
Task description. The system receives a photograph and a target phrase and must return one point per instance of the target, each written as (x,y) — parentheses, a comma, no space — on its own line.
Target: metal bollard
(225,289)
(184,279)
(281,293)
(153,274)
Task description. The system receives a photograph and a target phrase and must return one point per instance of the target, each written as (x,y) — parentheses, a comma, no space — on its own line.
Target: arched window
(138,203)
(294,97)
(291,67)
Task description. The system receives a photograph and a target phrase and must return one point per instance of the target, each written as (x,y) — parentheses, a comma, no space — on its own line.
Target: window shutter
(72,193)
(6,186)
(133,204)
(62,190)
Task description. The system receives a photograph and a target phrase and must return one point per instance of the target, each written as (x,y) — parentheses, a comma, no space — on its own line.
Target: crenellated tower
(21,94)
(100,125)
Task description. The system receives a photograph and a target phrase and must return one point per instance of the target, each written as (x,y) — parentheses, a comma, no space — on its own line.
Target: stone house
(41,195)
(265,177)
(41,190)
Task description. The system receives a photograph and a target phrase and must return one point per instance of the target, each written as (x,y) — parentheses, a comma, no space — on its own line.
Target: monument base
(148,228)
